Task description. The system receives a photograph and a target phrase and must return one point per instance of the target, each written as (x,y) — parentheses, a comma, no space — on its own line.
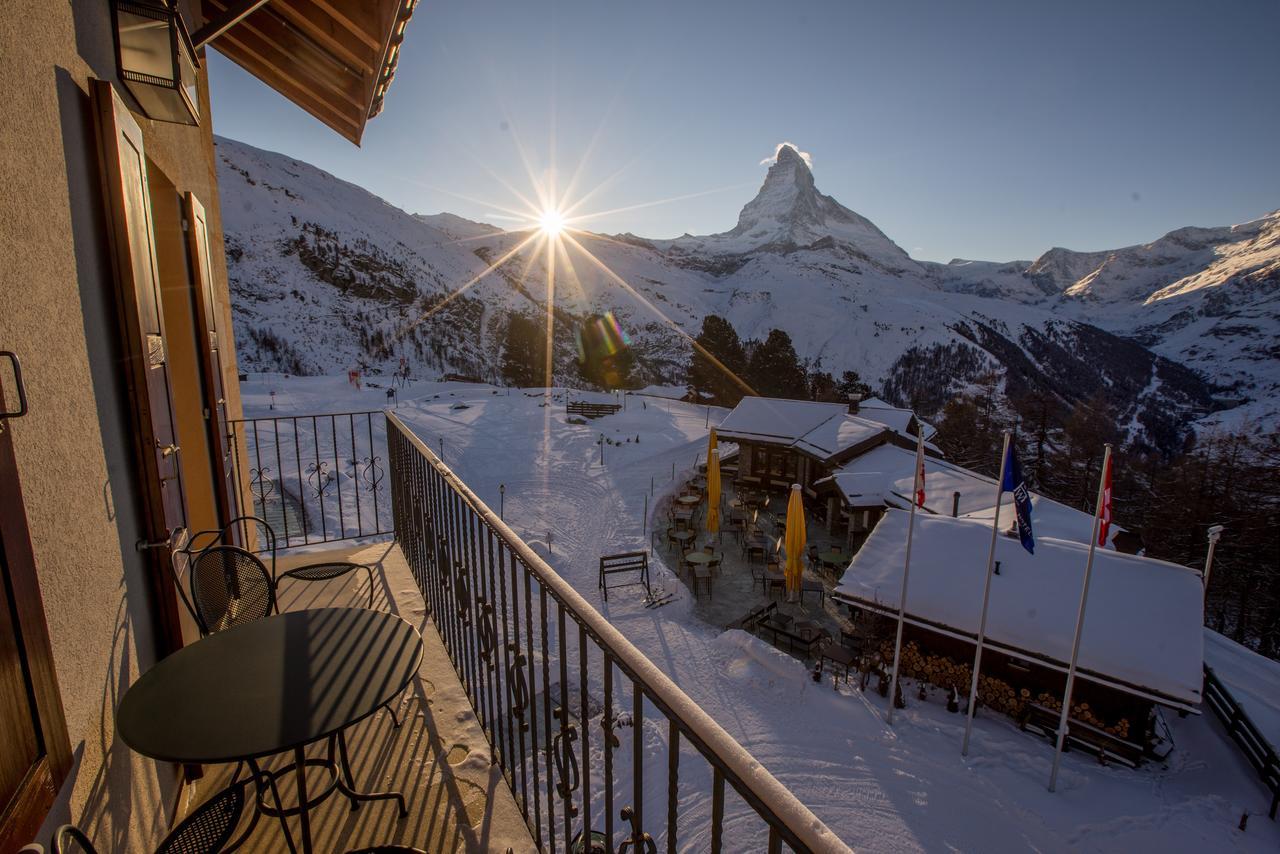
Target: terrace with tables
(736,575)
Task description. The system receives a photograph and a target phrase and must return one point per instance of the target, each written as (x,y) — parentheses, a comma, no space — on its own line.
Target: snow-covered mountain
(326,276)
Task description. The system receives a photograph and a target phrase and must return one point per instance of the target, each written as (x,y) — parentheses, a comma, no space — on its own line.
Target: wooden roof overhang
(333,58)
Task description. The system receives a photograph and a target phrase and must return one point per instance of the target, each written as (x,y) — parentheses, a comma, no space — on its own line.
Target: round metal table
(835,559)
(271,686)
(701,558)
(689,500)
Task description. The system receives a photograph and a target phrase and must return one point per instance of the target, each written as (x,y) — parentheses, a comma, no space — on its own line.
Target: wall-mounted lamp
(155,59)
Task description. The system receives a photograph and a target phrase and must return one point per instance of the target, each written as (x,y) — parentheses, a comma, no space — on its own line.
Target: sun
(551,222)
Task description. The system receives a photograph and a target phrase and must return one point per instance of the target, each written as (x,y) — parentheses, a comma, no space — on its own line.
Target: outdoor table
(837,654)
(756,543)
(701,558)
(271,686)
(689,500)
(699,482)
(834,559)
(774,579)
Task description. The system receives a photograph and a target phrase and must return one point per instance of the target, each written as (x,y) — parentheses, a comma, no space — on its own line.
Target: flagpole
(906,569)
(1075,643)
(986,597)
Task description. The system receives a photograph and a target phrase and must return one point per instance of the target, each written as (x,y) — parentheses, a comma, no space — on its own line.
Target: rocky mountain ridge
(1171,333)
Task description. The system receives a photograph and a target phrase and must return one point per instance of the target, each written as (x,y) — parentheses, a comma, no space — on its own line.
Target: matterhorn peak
(787,153)
(789,214)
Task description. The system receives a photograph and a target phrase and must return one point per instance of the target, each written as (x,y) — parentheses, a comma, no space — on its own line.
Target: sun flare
(551,222)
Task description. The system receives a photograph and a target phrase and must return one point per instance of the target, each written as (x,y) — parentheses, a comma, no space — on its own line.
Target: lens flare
(551,222)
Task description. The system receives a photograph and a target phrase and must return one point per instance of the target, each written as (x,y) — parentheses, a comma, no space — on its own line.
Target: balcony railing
(314,478)
(540,664)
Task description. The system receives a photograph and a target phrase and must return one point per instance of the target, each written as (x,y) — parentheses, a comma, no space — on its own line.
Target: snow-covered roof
(835,435)
(772,419)
(885,474)
(1142,628)
(817,428)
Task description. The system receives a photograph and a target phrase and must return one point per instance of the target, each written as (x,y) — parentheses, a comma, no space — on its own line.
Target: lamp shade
(156,61)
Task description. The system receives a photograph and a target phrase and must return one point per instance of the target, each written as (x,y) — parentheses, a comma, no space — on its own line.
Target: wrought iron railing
(555,686)
(314,478)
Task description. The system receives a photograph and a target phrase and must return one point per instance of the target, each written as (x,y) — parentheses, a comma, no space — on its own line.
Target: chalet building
(781,442)
(1141,645)
(117,371)
(859,492)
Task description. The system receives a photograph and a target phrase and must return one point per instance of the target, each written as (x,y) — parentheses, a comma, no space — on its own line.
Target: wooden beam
(328,31)
(305,64)
(345,124)
(230,16)
(363,19)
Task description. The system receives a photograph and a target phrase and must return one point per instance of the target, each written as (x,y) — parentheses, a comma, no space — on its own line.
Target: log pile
(1081,712)
(993,692)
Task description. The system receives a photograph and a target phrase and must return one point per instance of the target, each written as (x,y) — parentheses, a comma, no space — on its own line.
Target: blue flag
(1014,483)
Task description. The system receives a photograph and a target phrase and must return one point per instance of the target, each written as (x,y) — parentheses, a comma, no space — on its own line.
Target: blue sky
(990,131)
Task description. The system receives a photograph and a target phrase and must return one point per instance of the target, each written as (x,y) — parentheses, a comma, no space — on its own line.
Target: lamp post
(1215,534)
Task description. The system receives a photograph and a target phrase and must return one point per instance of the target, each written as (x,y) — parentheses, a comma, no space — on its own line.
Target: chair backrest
(229,586)
(708,549)
(208,829)
(70,839)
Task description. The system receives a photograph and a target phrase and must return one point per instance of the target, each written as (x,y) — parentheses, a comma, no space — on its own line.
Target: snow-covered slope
(316,260)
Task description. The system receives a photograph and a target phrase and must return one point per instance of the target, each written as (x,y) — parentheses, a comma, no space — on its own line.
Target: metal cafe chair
(323,571)
(230,585)
(209,829)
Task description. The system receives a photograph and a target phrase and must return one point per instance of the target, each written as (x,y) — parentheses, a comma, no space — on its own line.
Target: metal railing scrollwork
(492,597)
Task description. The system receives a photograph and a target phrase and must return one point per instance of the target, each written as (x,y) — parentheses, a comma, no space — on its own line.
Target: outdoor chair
(209,829)
(702,578)
(216,538)
(229,587)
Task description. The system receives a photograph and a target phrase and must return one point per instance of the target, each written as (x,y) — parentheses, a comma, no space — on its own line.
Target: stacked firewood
(1083,713)
(993,692)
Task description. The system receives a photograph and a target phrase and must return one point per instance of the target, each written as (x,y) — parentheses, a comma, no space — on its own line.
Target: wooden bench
(1104,745)
(591,410)
(634,564)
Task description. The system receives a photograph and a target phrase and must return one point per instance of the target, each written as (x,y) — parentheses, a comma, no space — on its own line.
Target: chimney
(854,400)
(955,504)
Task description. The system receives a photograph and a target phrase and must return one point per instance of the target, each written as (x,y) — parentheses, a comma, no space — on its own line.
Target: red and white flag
(1104,513)
(920,481)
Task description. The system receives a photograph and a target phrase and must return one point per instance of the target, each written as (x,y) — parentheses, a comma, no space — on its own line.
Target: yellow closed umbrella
(794,540)
(711,444)
(713,490)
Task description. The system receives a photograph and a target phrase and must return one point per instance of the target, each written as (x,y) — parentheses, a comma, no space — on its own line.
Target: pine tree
(524,352)
(822,386)
(719,342)
(774,370)
(851,384)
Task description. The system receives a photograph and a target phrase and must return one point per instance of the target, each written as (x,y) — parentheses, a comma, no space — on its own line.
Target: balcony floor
(438,758)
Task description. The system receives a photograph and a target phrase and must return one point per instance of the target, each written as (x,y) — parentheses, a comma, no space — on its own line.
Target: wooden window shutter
(141,322)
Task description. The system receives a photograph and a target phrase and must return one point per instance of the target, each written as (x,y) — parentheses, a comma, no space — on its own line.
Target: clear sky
(990,131)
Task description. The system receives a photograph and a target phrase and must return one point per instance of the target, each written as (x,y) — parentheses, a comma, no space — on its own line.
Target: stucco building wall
(57,312)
